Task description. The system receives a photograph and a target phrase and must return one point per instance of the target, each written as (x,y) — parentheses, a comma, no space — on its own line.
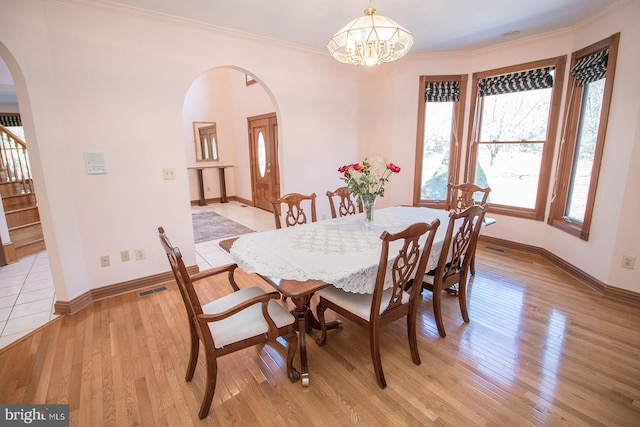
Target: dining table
(343,252)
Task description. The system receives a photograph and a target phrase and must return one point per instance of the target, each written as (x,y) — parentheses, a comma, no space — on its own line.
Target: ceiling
(437,25)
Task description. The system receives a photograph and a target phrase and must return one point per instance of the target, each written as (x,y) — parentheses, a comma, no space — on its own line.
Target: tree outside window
(513,134)
(584,151)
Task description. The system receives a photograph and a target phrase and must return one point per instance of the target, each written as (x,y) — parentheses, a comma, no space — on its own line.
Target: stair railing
(14,160)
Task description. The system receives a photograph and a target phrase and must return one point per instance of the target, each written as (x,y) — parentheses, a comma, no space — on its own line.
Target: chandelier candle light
(370,40)
(366,181)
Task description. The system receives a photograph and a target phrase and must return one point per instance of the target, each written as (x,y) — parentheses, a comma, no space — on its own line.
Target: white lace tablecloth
(338,251)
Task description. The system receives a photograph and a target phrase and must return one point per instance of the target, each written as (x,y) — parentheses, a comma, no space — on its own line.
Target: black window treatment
(540,78)
(442,91)
(10,120)
(591,68)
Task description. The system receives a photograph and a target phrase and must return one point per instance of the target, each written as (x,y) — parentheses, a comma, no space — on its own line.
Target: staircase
(18,198)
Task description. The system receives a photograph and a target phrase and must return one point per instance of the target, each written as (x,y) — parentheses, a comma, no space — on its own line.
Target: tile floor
(209,254)
(27,294)
(26,297)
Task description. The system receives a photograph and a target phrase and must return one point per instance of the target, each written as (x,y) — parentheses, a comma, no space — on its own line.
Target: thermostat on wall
(95,162)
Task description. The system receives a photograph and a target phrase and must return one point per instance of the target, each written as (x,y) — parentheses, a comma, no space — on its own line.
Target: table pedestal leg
(301,312)
(315,323)
(305,322)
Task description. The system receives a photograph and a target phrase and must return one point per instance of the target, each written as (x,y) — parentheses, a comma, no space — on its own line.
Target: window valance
(442,91)
(10,120)
(591,68)
(541,78)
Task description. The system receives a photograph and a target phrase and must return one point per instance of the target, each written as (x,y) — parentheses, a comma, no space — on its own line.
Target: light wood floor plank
(541,349)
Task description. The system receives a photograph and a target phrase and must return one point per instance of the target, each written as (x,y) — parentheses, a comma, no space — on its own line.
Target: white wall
(8,103)
(121,88)
(208,100)
(246,101)
(614,230)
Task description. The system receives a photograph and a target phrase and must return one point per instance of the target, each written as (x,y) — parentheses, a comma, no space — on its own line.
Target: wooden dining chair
(347,203)
(242,319)
(384,306)
(295,214)
(457,251)
(461,196)
(464,195)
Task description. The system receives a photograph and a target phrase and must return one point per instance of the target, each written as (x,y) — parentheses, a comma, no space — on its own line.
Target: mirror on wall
(206,141)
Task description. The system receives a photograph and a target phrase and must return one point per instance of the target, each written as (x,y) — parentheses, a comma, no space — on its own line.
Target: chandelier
(370,40)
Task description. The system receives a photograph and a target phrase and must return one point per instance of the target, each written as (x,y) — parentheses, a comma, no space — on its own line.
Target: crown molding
(130,11)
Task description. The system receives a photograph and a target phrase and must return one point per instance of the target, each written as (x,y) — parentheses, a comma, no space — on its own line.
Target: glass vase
(368,204)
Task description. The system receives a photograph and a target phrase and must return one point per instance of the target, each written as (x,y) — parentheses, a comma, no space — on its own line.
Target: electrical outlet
(628,261)
(104,261)
(140,254)
(169,173)
(124,256)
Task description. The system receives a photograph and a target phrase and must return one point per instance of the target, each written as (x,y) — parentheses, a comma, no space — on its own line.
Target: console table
(223,186)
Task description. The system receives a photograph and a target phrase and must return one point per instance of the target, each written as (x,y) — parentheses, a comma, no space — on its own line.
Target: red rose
(393,168)
(356,167)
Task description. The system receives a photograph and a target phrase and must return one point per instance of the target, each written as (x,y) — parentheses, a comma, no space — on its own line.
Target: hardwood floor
(541,349)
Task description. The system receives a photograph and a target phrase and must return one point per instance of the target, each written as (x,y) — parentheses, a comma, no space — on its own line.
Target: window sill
(572,228)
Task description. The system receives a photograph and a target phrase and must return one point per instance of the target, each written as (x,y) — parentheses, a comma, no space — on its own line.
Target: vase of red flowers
(366,180)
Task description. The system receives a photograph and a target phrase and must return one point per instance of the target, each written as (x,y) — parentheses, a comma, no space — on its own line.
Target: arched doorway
(20,227)
(227,97)
(27,291)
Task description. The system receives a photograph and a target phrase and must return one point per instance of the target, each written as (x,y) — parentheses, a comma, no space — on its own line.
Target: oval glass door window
(262,155)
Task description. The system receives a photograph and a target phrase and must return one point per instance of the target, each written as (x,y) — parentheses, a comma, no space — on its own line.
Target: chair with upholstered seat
(462,196)
(244,318)
(384,306)
(295,214)
(348,204)
(457,251)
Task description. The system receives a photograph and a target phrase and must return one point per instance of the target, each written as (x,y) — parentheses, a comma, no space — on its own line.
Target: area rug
(212,226)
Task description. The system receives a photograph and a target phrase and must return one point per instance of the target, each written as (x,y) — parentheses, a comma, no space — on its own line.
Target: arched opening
(226,96)
(228,100)
(28,292)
